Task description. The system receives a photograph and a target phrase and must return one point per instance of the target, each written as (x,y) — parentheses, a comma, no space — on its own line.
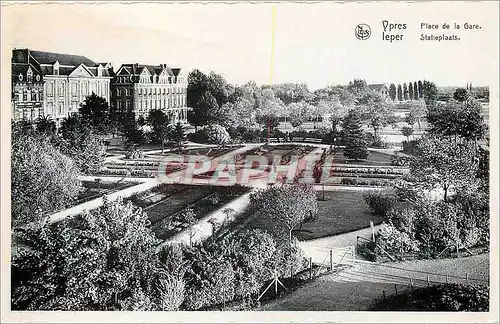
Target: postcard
(284,162)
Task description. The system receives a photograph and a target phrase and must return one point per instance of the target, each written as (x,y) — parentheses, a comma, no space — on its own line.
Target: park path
(145,184)
(358,286)
(319,248)
(203,228)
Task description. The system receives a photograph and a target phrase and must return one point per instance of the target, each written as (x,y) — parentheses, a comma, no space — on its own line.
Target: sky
(314,43)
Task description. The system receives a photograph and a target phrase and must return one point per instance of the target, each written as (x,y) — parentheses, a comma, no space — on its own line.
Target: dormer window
(56,68)
(29,75)
(38,77)
(20,77)
(99,70)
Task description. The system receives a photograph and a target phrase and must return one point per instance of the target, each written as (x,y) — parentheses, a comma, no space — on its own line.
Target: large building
(54,85)
(142,88)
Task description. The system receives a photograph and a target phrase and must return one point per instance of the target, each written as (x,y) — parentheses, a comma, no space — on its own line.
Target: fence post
(291,271)
(411,283)
(467,278)
(331,260)
(310,267)
(458,252)
(446,278)
(383,292)
(428,282)
(396,288)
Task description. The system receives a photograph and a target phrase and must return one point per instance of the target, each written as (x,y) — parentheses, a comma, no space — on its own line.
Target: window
(25,95)
(38,77)
(118,92)
(73,89)
(19,95)
(20,77)
(61,108)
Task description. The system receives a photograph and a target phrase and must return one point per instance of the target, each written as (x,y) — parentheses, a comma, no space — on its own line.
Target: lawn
(374,158)
(341,212)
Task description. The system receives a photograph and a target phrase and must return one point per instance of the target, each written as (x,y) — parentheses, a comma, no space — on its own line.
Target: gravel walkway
(358,287)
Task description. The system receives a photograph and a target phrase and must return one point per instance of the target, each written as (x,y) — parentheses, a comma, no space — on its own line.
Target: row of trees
(410,91)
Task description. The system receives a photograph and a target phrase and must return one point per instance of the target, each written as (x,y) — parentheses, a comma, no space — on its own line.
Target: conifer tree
(354,137)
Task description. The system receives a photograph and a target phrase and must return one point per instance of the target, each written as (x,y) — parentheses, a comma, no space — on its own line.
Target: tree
(206,94)
(130,128)
(392,91)
(102,260)
(460,95)
(43,180)
(200,113)
(82,144)
(416,95)
(286,207)
(405,91)
(444,164)
(429,92)
(299,112)
(45,125)
(95,112)
(376,112)
(458,119)
(410,91)
(354,137)
(418,110)
(218,135)
(407,131)
(357,86)
(160,125)
(420,90)
(178,135)
(400,93)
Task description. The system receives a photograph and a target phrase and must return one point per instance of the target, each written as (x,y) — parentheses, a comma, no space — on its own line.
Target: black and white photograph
(249,162)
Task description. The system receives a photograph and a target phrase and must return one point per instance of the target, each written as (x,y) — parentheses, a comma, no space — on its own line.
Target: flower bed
(366,182)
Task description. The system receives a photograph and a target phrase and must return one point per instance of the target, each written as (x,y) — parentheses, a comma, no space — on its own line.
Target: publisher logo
(362,31)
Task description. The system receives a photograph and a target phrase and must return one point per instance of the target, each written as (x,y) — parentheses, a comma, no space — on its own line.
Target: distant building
(382,88)
(142,88)
(53,84)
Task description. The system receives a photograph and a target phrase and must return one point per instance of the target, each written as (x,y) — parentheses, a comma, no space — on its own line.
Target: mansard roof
(43,62)
(63,59)
(136,69)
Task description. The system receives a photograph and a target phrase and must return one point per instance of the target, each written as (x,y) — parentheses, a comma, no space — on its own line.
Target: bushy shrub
(365,182)
(411,147)
(395,242)
(201,136)
(401,160)
(444,297)
(134,154)
(380,201)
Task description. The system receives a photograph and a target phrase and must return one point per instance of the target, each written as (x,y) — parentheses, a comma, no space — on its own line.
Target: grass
(340,212)
(94,190)
(374,158)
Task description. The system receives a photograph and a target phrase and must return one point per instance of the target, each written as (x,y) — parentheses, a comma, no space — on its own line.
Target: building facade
(58,83)
(382,88)
(142,88)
